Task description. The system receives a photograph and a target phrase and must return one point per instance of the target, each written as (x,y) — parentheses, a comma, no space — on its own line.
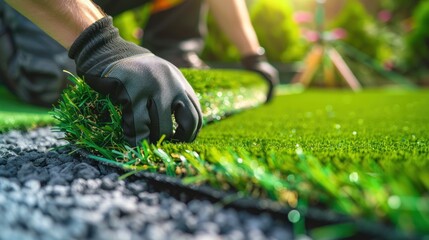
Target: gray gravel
(53,195)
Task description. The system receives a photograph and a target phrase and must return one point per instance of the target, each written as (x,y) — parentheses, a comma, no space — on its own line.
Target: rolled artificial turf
(231,95)
(362,154)
(93,121)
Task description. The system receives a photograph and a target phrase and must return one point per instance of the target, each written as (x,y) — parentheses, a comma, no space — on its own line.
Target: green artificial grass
(362,154)
(17,115)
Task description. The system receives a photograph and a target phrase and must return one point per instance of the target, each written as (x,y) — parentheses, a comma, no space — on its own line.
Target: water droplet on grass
(354,177)
(294,216)
(394,202)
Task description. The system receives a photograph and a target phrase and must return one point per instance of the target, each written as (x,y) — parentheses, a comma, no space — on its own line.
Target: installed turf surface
(363,154)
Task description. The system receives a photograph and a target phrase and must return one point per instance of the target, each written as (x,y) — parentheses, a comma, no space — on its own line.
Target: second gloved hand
(148,88)
(258,63)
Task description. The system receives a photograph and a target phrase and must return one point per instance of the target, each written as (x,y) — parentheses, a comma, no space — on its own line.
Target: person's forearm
(233,18)
(63,20)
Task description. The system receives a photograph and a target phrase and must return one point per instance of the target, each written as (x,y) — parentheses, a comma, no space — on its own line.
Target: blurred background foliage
(131,23)
(400,9)
(218,48)
(275,28)
(391,32)
(417,44)
(361,30)
(277,31)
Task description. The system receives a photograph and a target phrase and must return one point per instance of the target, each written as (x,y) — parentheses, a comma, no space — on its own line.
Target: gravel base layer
(53,195)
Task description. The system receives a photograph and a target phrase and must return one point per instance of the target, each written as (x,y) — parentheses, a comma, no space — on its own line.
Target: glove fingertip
(189,119)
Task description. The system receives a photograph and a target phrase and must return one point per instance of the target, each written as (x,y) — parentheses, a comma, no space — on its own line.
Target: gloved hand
(258,63)
(148,88)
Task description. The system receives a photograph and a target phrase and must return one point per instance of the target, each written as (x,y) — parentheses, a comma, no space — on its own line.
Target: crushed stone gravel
(52,194)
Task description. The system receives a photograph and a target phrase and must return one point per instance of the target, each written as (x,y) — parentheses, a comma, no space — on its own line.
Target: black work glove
(148,88)
(258,63)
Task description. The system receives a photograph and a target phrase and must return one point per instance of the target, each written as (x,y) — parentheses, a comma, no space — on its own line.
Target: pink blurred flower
(303,17)
(384,16)
(311,36)
(339,33)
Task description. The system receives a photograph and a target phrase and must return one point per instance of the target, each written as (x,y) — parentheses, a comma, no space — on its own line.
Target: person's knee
(35,80)
(31,63)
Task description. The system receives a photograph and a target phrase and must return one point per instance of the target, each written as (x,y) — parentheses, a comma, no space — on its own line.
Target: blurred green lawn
(17,115)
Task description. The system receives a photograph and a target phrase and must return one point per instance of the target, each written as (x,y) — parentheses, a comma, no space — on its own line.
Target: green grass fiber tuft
(363,154)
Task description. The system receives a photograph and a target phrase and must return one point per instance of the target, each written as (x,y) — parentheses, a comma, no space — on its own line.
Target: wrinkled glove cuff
(99,45)
(88,34)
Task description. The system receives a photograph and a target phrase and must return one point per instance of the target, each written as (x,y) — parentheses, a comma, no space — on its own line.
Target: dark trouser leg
(31,63)
(115,7)
(176,34)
